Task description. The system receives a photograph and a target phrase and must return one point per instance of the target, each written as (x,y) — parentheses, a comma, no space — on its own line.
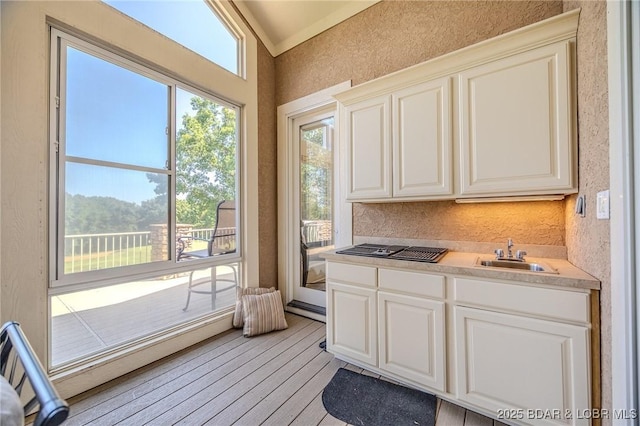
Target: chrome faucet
(519,257)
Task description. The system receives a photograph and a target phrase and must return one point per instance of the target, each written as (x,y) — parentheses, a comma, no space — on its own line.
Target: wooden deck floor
(274,379)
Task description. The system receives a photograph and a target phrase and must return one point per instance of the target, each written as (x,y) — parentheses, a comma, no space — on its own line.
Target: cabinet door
(411,335)
(506,361)
(366,131)
(516,129)
(422,140)
(351,322)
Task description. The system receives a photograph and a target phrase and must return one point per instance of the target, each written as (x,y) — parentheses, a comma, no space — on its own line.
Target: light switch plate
(602,205)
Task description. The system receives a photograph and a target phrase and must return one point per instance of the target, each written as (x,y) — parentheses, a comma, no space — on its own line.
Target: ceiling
(283,24)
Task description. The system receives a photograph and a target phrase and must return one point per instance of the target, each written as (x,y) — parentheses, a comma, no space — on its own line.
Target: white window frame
(104,277)
(222,14)
(227,20)
(26,138)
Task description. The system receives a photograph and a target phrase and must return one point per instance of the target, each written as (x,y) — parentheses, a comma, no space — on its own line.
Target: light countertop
(462,263)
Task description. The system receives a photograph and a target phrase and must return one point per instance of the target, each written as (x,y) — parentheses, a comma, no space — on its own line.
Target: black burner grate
(414,253)
(421,254)
(374,250)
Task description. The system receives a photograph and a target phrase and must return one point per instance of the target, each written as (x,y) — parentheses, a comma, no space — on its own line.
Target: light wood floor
(274,379)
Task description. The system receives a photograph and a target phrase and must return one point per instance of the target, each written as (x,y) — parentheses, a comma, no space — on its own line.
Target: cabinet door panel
(351,325)
(422,140)
(411,334)
(515,124)
(505,361)
(367,134)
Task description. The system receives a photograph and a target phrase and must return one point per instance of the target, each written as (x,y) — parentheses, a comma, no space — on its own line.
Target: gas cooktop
(413,253)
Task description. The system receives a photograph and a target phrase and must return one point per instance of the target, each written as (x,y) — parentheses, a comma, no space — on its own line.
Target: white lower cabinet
(511,350)
(351,322)
(411,338)
(522,369)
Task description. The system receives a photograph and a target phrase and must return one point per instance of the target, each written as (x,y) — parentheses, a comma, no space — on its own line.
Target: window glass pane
(206,175)
(316,200)
(114,217)
(191,23)
(91,321)
(114,114)
(121,188)
(316,171)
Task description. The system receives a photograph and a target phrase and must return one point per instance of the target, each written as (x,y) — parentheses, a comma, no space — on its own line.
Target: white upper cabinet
(516,126)
(422,140)
(368,132)
(399,144)
(507,105)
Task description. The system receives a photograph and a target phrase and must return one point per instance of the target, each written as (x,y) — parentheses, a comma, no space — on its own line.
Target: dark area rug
(366,401)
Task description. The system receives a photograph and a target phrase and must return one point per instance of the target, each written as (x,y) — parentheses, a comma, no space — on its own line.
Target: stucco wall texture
(588,239)
(393,35)
(539,223)
(267,173)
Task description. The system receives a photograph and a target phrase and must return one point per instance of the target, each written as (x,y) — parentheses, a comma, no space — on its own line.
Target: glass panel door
(316,206)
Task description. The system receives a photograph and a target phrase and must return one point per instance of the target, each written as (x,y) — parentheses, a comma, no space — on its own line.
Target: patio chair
(225,219)
(22,370)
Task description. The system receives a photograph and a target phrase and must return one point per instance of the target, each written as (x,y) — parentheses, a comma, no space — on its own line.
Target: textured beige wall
(527,222)
(393,35)
(588,242)
(267,184)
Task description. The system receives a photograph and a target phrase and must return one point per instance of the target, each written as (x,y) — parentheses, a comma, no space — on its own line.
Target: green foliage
(97,215)
(205,162)
(315,176)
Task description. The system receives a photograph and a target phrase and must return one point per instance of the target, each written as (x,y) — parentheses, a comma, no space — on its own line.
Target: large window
(140,167)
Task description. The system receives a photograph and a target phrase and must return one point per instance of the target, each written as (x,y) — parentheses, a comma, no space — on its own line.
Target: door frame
(288,231)
(623,29)
(298,292)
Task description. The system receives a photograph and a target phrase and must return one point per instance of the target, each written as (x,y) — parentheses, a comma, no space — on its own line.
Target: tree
(315,176)
(95,215)
(205,163)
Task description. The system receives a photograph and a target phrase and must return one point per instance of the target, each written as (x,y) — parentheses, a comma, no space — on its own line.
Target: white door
(308,149)
(314,204)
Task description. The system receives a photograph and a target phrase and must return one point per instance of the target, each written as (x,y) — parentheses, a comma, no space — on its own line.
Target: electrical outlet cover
(602,205)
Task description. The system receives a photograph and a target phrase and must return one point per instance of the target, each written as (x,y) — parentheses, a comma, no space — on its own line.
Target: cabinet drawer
(546,302)
(352,274)
(412,282)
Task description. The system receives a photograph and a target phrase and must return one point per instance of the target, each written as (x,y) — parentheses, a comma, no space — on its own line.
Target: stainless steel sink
(514,264)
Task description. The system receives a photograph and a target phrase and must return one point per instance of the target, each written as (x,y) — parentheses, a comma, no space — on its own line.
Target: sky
(116,115)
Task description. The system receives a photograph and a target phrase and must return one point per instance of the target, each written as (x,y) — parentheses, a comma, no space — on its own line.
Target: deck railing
(317,232)
(89,252)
